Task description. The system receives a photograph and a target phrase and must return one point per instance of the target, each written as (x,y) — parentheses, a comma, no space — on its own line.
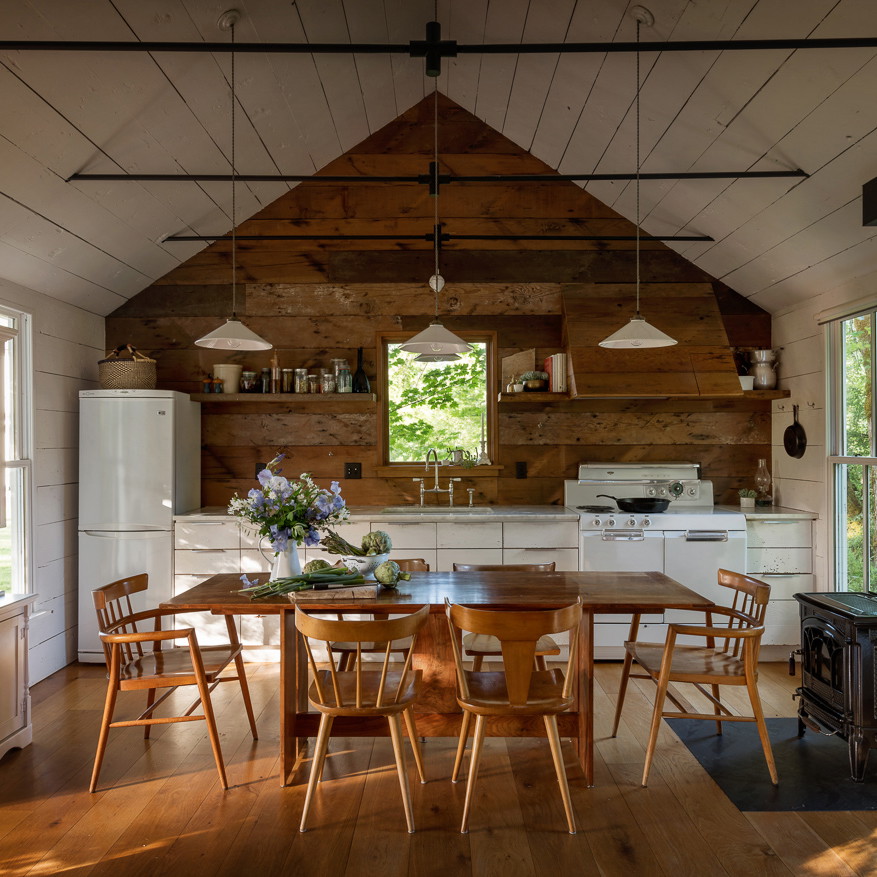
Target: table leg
(585,696)
(288,694)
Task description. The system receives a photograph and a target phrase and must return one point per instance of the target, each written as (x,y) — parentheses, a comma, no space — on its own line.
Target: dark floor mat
(814,770)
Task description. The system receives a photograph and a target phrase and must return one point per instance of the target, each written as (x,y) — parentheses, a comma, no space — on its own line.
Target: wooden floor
(163,812)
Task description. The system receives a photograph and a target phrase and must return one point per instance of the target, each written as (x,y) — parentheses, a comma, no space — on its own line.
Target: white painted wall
(67,343)
(803,484)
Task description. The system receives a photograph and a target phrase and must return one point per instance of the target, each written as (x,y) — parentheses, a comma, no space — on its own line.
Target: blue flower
(312,537)
(249,582)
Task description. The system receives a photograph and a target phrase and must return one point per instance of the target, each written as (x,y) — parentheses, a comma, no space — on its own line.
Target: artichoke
(317,564)
(389,574)
(376,542)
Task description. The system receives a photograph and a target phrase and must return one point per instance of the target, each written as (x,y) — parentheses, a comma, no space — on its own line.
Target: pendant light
(233,335)
(638,333)
(436,343)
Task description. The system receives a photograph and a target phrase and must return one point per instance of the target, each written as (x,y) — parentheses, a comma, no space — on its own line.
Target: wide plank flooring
(161,811)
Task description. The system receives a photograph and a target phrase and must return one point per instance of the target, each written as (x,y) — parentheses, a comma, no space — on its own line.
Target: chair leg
(245,693)
(540,662)
(716,710)
(210,719)
(560,769)
(657,712)
(477,743)
(109,706)
(150,700)
(461,746)
(415,742)
(477,661)
(755,700)
(399,751)
(622,691)
(320,748)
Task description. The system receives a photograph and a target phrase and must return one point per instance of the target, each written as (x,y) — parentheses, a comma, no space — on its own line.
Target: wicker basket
(125,368)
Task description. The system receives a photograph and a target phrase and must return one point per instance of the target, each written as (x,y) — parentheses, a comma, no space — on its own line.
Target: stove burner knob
(692,491)
(647,522)
(631,522)
(610,522)
(651,491)
(595,522)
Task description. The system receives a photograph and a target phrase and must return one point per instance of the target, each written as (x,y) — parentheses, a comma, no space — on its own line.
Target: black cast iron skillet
(794,438)
(639,504)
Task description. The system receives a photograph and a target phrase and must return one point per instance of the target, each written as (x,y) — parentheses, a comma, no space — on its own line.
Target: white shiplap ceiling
(96,244)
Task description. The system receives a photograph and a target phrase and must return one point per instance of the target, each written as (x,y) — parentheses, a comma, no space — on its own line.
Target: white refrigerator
(139,465)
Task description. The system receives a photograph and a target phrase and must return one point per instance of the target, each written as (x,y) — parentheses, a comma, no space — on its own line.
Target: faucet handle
(418,479)
(471,492)
(455,479)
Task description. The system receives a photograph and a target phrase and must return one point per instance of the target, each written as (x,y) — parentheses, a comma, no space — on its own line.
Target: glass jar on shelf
(327,382)
(301,380)
(287,382)
(343,378)
(762,482)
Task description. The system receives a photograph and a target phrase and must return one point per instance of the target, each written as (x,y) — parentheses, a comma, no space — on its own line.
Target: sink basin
(437,510)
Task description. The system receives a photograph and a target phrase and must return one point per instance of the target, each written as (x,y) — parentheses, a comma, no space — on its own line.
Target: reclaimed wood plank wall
(308,299)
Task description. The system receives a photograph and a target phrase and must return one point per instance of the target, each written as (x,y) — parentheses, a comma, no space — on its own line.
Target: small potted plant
(747,498)
(534,381)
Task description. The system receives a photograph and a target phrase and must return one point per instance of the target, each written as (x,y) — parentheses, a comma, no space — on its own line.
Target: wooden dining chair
(401,647)
(479,646)
(361,692)
(728,655)
(516,690)
(133,645)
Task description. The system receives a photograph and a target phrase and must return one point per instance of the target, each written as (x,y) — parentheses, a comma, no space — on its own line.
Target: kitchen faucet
(449,490)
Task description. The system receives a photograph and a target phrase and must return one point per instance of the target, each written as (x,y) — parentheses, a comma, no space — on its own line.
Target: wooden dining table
(437,713)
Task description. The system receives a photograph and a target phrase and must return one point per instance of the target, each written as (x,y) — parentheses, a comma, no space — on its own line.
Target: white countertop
(498,513)
(773,513)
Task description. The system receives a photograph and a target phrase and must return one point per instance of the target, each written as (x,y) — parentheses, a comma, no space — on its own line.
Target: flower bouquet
(290,511)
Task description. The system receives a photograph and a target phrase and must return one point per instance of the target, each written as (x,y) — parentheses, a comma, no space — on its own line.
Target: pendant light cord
(234,269)
(637,166)
(435,220)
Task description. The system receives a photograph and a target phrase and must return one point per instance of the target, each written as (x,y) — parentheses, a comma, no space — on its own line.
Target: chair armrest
(715,632)
(148,636)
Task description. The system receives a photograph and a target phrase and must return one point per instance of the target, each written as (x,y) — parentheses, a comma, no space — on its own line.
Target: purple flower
(312,537)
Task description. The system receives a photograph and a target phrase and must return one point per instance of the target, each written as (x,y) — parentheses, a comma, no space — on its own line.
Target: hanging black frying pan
(794,438)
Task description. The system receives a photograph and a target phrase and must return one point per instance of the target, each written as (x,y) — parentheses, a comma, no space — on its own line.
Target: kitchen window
(16,470)
(853,457)
(444,405)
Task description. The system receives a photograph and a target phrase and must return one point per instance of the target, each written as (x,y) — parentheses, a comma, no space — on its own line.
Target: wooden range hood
(700,364)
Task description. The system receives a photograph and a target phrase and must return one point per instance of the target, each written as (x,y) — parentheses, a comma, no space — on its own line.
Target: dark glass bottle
(360,381)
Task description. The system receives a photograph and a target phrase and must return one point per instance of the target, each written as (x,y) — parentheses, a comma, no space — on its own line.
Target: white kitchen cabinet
(15,718)
(779,552)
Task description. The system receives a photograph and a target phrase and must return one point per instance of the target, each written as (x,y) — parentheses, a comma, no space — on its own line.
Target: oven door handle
(623,536)
(706,535)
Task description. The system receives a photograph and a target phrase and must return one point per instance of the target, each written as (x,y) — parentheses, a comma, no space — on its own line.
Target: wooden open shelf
(366,399)
(755,395)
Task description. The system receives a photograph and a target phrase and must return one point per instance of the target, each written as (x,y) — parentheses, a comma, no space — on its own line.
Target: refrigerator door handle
(126,534)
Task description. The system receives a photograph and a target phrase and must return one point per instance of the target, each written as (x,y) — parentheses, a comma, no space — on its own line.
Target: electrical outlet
(521,469)
(259,468)
(353,470)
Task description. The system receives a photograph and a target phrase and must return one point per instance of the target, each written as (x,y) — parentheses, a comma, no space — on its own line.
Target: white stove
(689,541)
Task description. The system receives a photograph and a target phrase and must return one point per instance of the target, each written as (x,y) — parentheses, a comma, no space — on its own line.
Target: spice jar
(343,380)
(207,385)
(287,381)
(248,382)
(266,380)
(313,383)
(217,385)
(301,380)
(327,382)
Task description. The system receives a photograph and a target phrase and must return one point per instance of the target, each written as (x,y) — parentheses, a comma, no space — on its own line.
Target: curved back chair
(517,689)
(412,564)
(136,660)
(361,692)
(480,646)
(727,655)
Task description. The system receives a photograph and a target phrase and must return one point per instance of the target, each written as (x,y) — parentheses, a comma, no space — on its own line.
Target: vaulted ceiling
(96,244)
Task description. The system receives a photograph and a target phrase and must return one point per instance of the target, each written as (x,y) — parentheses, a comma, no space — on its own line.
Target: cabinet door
(447,557)
(779,561)
(779,534)
(565,559)
(206,534)
(559,534)
(207,561)
(12,676)
(405,534)
(472,534)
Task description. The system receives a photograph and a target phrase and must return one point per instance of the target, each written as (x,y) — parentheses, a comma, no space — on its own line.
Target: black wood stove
(838,693)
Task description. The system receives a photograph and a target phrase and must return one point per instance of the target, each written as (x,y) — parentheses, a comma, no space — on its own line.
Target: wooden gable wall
(317,299)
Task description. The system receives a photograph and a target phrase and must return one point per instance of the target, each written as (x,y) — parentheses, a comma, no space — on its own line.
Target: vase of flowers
(289,513)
